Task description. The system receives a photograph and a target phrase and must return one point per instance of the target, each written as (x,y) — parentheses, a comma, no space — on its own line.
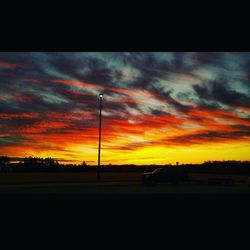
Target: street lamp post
(100,127)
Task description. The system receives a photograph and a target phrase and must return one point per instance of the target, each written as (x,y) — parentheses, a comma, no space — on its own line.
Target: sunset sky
(158,108)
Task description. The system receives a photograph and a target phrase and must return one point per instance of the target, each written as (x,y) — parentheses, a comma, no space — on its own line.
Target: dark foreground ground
(68,177)
(119,188)
(111,183)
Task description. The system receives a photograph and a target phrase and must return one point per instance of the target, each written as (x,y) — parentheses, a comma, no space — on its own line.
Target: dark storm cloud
(212,107)
(157,112)
(247,70)
(84,68)
(15,123)
(98,72)
(67,63)
(206,136)
(17,57)
(159,63)
(219,91)
(183,62)
(28,84)
(7,108)
(150,67)
(78,97)
(241,127)
(156,67)
(89,102)
(131,146)
(27,64)
(177,105)
(13,140)
(208,58)
(35,103)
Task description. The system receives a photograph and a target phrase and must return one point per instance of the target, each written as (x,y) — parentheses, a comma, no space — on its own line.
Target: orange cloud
(7,65)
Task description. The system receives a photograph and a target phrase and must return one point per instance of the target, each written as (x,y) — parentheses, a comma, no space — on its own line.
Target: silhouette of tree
(84,164)
(4,160)
(38,163)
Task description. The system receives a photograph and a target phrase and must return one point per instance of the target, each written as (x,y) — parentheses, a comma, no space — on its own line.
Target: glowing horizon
(158,108)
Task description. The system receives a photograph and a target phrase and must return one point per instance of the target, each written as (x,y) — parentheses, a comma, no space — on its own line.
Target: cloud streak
(49,101)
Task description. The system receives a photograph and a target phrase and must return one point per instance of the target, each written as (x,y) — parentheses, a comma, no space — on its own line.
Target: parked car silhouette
(164,175)
(169,175)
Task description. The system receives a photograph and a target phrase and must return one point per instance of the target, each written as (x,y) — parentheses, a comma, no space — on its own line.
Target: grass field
(111,183)
(119,188)
(80,177)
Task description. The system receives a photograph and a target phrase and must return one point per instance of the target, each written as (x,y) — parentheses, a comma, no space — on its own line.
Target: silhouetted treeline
(5,164)
(4,160)
(27,164)
(37,164)
(31,161)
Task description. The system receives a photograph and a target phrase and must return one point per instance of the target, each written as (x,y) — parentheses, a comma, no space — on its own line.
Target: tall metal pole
(100,128)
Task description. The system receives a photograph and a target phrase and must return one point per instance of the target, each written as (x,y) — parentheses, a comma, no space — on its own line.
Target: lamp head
(101,95)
